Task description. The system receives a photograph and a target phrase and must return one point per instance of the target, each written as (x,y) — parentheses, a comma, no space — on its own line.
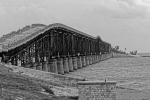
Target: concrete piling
(65,65)
(97,59)
(93,60)
(45,66)
(18,62)
(70,65)
(102,57)
(74,62)
(28,65)
(60,67)
(87,60)
(34,65)
(90,59)
(83,61)
(9,63)
(79,62)
(39,66)
(0,59)
(52,66)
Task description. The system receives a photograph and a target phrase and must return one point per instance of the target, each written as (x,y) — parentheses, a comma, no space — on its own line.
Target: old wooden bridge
(55,48)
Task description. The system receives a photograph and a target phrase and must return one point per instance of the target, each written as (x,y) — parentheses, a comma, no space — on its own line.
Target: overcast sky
(121,22)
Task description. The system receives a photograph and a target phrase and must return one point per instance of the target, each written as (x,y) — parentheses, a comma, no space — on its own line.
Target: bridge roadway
(55,48)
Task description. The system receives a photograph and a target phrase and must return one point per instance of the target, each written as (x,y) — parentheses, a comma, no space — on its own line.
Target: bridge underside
(58,50)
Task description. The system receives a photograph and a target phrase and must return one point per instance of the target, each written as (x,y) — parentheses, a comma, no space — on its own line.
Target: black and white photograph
(74,50)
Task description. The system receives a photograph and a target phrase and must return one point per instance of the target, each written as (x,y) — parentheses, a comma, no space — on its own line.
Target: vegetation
(133,52)
(117,50)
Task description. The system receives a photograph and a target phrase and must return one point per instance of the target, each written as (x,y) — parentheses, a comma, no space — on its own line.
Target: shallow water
(133,73)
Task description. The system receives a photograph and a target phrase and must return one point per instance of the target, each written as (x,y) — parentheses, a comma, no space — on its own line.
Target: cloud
(134,8)
(110,8)
(124,8)
(2,10)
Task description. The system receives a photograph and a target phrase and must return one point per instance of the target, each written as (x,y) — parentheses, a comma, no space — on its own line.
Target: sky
(120,22)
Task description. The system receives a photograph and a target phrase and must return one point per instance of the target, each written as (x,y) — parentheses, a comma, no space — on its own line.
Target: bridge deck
(15,39)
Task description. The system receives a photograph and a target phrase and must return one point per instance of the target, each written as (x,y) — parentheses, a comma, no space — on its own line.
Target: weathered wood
(56,42)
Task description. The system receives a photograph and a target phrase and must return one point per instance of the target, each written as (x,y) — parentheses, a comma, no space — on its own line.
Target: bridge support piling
(19,62)
(28,65)
(87,60)
(79,62)
(93,59)
(97,60)
(39,66)
(65,65)
(52,66)
(34,65)
(105,56)
(60,66)
(83,61)
(90,59)
(0,59)
(45,65)
(74,62)
(9,63)
(70,65)
(102,57)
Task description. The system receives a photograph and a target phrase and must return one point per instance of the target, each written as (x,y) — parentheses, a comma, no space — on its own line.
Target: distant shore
(140,55)
(144,54)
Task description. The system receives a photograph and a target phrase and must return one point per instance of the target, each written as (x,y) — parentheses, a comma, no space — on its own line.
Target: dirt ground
(18,86)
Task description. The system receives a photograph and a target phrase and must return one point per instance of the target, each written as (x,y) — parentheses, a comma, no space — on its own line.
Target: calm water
(133,73)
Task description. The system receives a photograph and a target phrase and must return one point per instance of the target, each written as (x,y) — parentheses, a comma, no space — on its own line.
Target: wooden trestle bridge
(55,48)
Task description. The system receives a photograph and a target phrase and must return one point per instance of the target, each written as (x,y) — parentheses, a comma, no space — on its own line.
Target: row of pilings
(70,64)
(62,65)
